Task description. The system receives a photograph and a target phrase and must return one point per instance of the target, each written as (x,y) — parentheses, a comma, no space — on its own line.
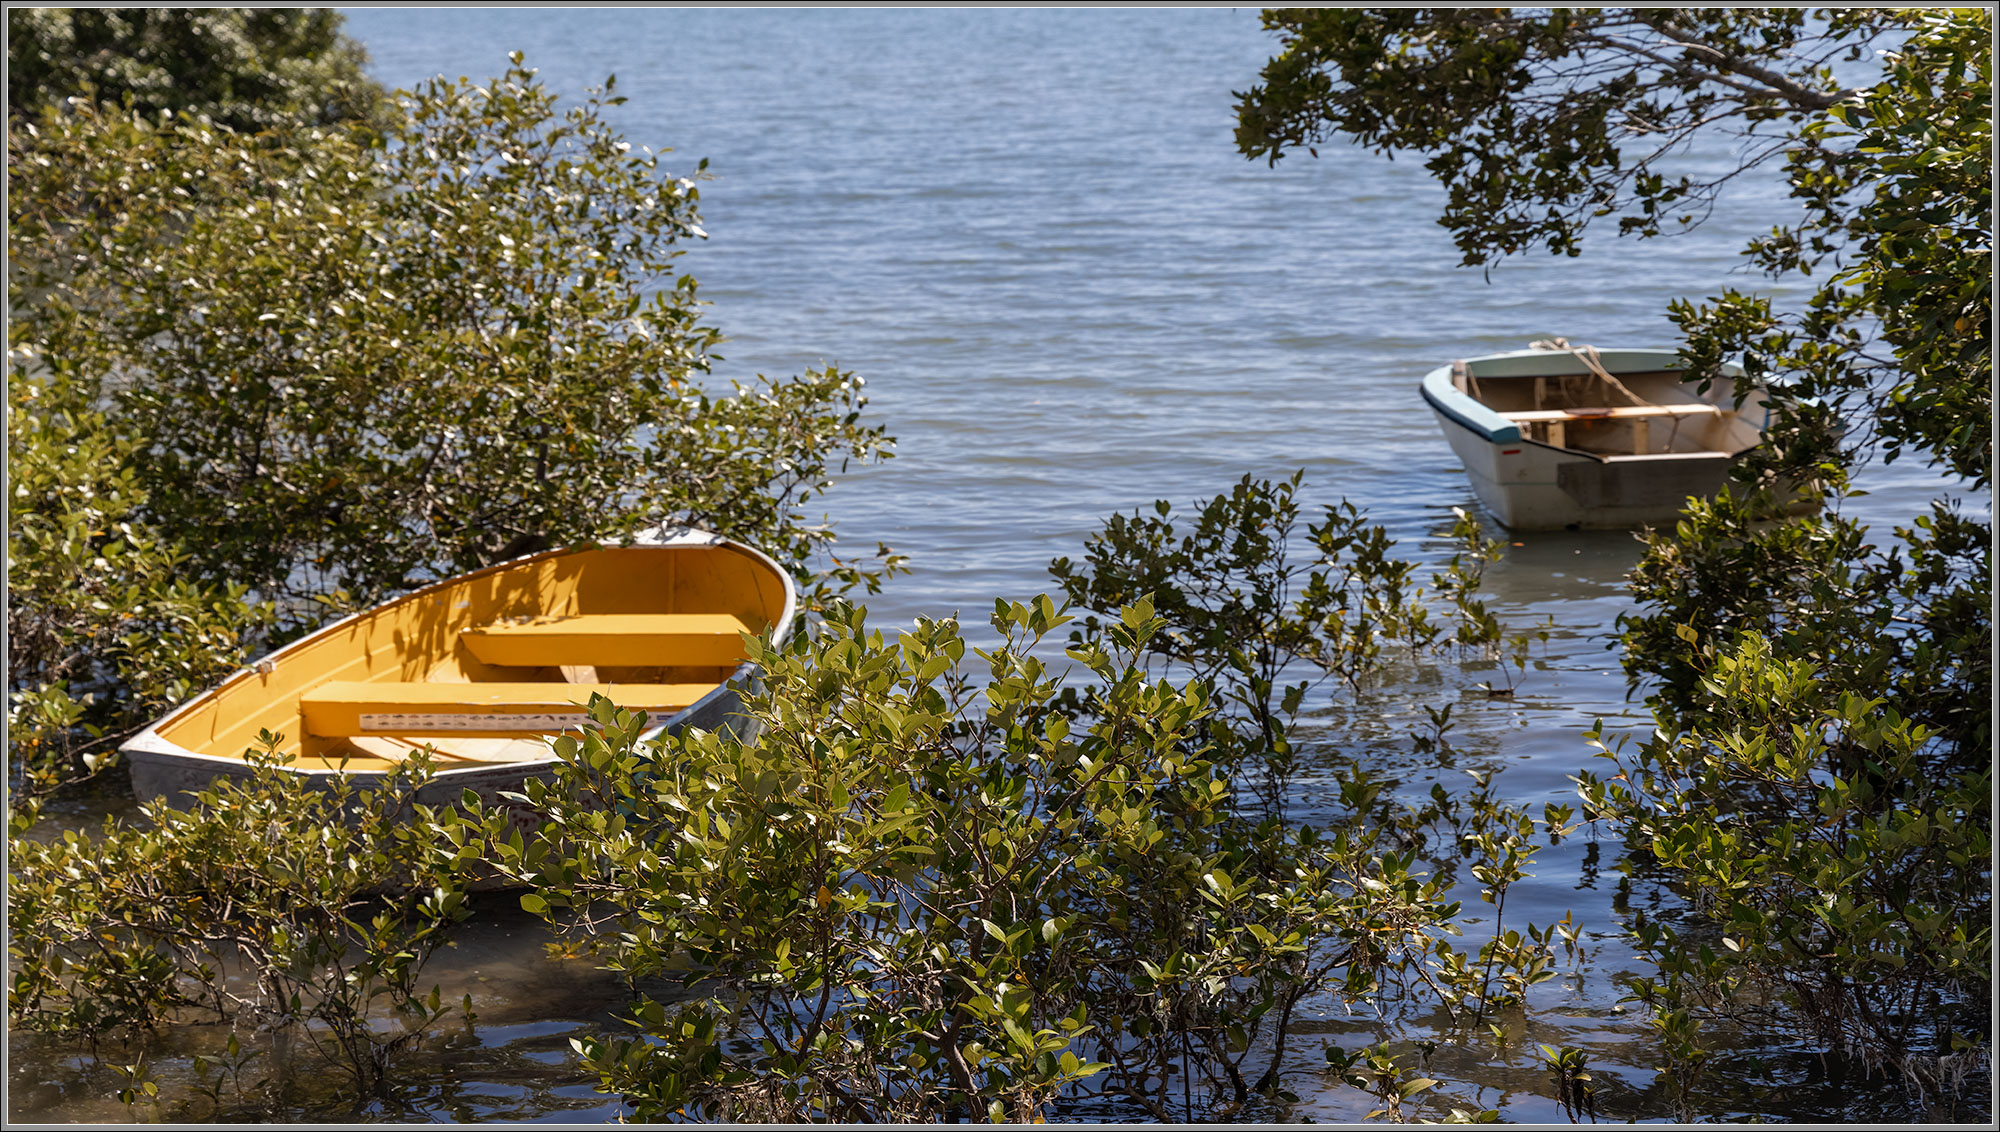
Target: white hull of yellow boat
(484,668)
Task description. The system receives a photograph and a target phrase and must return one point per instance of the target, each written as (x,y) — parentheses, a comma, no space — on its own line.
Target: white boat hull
(1531,475)
(1530,486)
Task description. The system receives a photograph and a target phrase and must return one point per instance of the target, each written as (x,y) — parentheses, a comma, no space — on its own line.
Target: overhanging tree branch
(1779,86)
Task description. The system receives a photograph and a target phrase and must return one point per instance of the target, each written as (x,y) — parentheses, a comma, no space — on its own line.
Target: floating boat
(484,668)
(1555,437)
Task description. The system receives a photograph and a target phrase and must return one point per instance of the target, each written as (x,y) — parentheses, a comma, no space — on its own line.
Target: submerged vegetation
(264,902)
(251,388)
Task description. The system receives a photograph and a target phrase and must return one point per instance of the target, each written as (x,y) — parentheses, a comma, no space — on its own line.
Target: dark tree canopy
(247,68)
(1538,120)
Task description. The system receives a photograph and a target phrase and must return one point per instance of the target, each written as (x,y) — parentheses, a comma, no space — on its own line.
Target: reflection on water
(512,1062)
(1029,232)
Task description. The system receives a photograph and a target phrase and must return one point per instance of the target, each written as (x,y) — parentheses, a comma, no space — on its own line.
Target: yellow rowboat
(484,668)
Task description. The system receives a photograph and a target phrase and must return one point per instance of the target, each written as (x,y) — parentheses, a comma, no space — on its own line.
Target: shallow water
(1030,232)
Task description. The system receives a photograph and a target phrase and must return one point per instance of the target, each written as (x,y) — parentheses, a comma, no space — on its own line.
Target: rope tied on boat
(1589,357)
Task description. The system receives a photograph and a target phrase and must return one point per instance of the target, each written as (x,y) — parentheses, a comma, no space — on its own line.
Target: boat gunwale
(1462,409)
(150,742)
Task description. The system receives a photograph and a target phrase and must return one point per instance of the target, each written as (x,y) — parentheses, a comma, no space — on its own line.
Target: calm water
(1030,232)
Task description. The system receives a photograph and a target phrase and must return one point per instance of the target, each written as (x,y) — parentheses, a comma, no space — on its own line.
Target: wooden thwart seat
(347,708)
(612,640)
(1550,426)
(1618,412)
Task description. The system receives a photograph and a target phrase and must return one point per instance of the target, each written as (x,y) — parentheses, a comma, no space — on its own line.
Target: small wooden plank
(1621,412)
(612,640)
(344,708)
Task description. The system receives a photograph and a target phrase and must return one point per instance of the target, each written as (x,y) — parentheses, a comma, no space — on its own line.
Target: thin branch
(1782,85)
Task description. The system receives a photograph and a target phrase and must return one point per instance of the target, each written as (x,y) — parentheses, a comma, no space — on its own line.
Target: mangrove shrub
(264,903)
(944,882)
(246,68)
(257,381)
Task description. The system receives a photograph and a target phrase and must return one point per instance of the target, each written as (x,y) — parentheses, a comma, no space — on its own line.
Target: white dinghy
(1555,437)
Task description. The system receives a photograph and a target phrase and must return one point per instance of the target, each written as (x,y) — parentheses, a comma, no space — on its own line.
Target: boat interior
(1638,414)
(483,668)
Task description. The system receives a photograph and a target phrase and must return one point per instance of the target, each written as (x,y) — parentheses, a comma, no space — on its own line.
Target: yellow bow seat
(630,640)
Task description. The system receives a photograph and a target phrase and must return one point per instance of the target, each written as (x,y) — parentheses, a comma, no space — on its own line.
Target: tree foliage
(1819,784)
(102,625)
(246,68)
(1896,188)
(1835,856)
(1538,121)
(1912,623)
(269,378)
(328,899)
(1241,612)
(936,886)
